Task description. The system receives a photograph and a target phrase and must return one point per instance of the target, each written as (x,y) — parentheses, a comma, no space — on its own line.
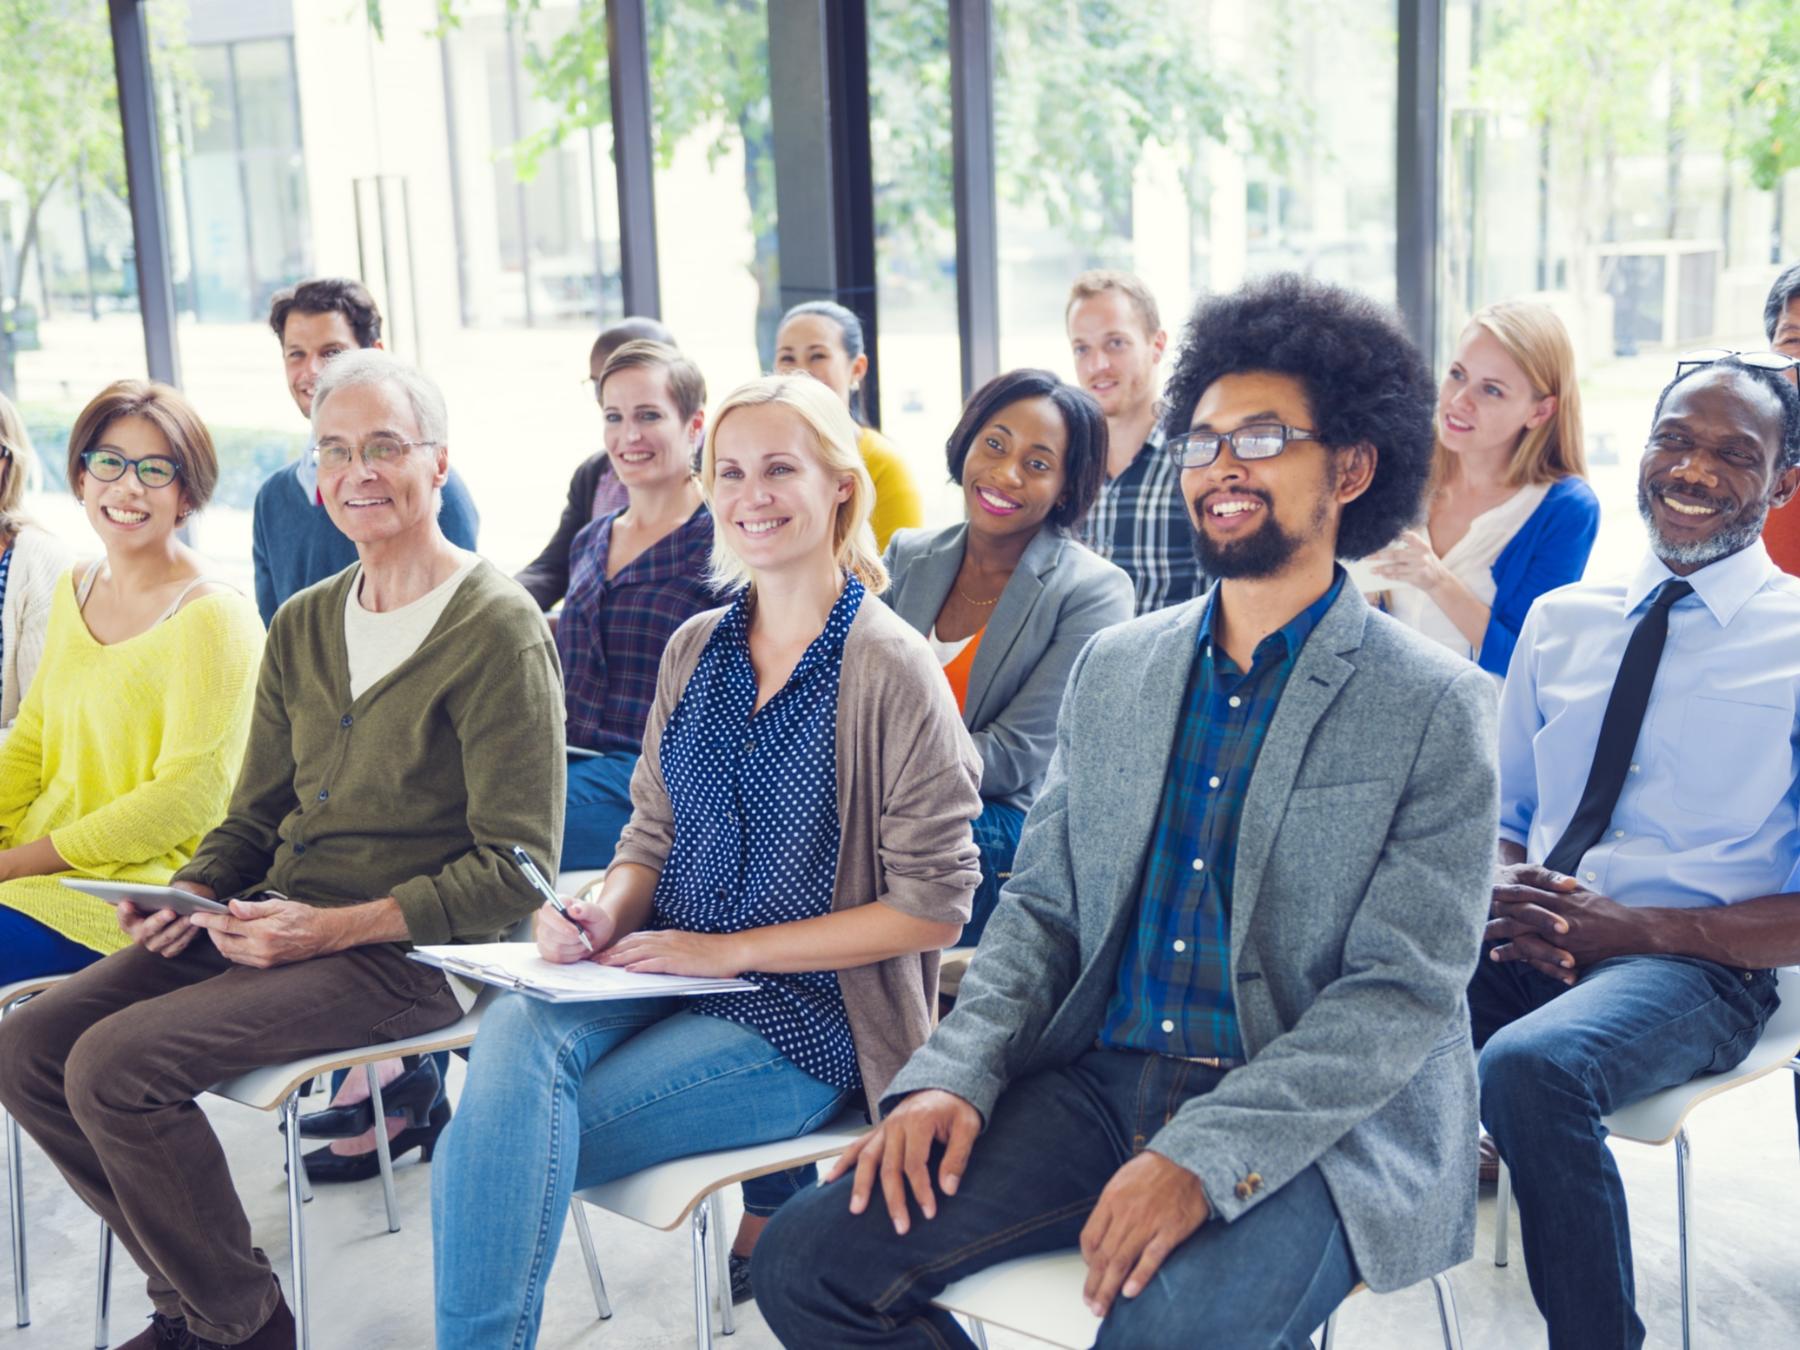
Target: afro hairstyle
(1364,379)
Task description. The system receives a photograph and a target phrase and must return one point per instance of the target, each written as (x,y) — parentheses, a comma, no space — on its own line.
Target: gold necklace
(980,604)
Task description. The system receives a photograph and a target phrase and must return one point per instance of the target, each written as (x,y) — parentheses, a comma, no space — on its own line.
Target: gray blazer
(1364,861)
(1060,595)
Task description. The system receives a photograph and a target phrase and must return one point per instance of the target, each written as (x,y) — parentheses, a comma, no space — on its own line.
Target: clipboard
(518,967)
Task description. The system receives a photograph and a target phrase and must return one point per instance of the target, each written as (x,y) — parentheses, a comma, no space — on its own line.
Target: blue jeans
(562,1096)
(596,808)
(997,831)
(30,951)
(1553,1062)
(827,1278)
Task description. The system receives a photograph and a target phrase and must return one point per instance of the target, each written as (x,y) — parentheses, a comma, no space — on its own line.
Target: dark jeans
(103,1070)
(1553,1062)
(31,951)
(829,1279)
(997,831)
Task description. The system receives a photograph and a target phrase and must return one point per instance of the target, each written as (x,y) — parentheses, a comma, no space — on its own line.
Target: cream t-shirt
(378,643)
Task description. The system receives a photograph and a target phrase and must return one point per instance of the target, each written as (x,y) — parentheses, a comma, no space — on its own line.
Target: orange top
(1782,536)
(957,672)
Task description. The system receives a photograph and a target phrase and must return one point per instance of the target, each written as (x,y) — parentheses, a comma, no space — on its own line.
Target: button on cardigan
(907,788)
(418,788)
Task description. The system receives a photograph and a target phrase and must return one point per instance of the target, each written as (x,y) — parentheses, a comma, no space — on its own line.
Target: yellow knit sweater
(898,505)
(125,755)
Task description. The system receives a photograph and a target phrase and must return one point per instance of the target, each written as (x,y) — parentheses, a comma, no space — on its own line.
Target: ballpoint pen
(545,889)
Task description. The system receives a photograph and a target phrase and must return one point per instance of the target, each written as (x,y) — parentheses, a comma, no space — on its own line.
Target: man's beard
(1722,543)
(1263,552)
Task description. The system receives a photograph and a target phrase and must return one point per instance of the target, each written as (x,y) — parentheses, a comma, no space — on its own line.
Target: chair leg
(702,1293)
(1684,1178)
(15,1206)
(1447,1318)
(1502,1213)
(978,1333)
(578,1212)
(1328,1332)
(103,1297)
(296,1178)
(721,1262)
(383,1155)
(15,1197)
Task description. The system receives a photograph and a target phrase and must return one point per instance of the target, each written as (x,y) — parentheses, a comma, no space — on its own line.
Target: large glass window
(1194,142)
(715,184)
(68,288)
(1603,165)
(919,361)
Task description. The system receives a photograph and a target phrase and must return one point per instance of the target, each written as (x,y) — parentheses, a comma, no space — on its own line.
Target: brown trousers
(103,1070)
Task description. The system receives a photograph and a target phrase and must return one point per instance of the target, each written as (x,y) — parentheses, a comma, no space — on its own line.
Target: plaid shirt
(1140,522)
(1173,995)
(613,630)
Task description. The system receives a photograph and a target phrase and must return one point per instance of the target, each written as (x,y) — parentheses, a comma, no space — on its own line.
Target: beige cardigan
(39,559)
(908,785)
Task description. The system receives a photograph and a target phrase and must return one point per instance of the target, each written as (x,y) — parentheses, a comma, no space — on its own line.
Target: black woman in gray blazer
(1009,597)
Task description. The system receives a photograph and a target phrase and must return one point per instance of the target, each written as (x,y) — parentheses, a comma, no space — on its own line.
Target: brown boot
(163,1333)
(275,1334)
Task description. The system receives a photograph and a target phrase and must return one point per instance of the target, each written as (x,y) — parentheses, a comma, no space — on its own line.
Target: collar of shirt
(734,628)
(1149,456)
(1724,586)
(1287,639)
(306,473)
(667,558)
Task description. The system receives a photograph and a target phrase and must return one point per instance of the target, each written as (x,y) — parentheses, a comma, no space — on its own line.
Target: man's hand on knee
(1149,1208)
(899,1151)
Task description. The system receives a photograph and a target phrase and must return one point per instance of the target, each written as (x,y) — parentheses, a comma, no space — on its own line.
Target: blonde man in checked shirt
(1139,521)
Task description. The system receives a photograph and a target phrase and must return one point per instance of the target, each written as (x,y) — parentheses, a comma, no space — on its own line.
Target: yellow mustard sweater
(125,755)
(898,505)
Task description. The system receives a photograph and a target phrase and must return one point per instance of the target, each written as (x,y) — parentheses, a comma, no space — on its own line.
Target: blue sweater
(296,544)
(1550,550)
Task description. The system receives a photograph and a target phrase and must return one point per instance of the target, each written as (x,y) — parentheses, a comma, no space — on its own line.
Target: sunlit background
(1618,161)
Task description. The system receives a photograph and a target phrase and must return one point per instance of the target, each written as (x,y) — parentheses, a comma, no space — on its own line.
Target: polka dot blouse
(756,827)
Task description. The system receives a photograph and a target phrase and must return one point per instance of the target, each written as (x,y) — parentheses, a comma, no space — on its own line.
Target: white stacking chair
(1040,1297)
(691,1190)
(1662,1119)
(13,996)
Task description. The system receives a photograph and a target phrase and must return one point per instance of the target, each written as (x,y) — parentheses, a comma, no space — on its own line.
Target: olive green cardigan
(419,788)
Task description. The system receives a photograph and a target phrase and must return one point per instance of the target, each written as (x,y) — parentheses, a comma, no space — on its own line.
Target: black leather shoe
(324,1167)
(410,1095)
(163,1333)
(741,1292)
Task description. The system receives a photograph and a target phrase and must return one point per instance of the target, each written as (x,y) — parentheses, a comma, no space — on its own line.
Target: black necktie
(1618,730)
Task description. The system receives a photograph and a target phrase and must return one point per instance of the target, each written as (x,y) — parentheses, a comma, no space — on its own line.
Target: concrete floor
(372,1290)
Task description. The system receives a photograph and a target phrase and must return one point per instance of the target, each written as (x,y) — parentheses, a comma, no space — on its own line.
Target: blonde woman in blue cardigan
(1509,511)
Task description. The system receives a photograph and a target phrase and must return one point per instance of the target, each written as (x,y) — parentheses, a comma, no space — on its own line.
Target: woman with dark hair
(1009,598)
(129,739)
(823,339)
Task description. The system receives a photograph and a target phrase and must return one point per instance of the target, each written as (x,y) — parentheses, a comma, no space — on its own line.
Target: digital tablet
(147,898)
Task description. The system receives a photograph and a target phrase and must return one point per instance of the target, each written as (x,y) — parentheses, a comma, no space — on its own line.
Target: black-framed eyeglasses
(153,471)
(377,451)
(1258,440)
(1707,356)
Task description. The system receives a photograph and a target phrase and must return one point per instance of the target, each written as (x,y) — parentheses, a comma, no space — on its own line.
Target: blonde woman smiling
(802,809)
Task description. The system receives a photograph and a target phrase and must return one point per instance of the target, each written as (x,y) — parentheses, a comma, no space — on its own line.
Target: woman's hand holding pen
(559,939)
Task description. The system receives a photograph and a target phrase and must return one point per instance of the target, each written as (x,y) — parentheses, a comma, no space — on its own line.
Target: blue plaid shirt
(613,629)
(1173,995)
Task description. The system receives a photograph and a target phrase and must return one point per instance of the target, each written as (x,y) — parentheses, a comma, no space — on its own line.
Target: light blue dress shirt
(1710,811)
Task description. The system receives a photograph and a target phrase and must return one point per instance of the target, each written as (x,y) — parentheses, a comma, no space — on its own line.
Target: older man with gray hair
(407,732)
